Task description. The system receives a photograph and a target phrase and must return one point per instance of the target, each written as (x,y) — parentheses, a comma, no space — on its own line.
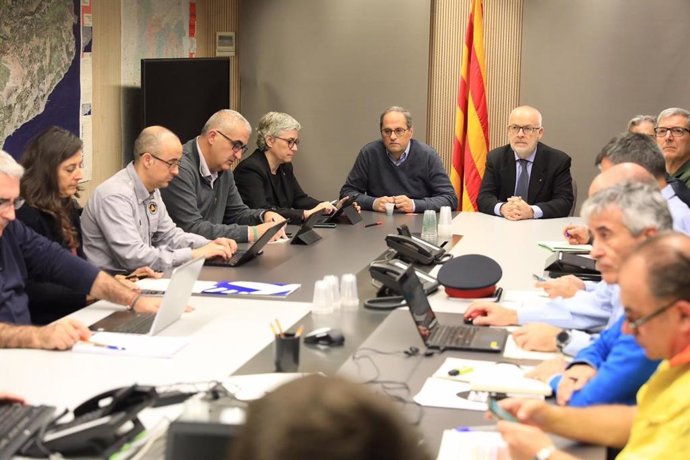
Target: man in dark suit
(526,179)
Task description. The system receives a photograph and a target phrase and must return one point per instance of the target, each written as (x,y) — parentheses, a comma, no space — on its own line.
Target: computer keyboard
(231,262)
(139,324)
(19,423)
(453,336)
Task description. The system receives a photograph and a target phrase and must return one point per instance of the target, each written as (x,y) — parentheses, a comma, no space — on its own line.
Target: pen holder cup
(286,352)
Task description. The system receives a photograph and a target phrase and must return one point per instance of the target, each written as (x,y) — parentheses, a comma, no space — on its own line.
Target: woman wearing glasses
(266,179)
(50,186)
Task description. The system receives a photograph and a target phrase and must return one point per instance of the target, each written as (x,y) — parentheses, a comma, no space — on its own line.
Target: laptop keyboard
(227,263)
(18,423)
(453,336)
(139,324)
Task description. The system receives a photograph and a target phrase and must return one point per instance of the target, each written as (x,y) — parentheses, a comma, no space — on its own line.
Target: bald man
(125,223)
(526,179)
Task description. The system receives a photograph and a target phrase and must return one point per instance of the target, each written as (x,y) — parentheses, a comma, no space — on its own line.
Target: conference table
(231,336)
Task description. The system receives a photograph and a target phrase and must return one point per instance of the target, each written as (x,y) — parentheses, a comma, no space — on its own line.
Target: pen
(273,329)
(538,277)
(280,328)
(103,345)
(374,224)
(299,331)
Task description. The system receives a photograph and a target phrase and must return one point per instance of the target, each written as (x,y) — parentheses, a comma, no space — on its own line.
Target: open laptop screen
(413,292)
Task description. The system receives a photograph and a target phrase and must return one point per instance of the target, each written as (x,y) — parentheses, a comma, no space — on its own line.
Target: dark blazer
(49,301)
(256,186)
(550,183)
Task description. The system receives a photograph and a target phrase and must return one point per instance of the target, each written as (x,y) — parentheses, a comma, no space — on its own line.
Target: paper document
(153,286)
(489,376)
(252,289)
(472,445)
(117,344)
(564,246)
(255,386)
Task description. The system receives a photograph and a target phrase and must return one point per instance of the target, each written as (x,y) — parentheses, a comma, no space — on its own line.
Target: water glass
(390,207)
(334,286)
(444,223)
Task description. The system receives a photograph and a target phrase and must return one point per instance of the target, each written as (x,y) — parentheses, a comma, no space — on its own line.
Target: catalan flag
(471,143)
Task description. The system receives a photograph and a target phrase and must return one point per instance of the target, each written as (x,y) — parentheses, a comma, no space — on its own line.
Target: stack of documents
(152,286)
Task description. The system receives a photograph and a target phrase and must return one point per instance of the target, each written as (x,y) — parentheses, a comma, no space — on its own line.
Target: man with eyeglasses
(400,170)
(203,198)
(526,179)
(125,223)
(673,136)
(26,255)
(655,289)
(611,368)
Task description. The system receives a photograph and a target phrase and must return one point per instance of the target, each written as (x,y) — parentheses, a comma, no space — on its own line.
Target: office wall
(502,36)
(591,65)
(334,66)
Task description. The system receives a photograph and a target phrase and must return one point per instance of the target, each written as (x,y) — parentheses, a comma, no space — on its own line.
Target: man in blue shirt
(25,254)
(400,170)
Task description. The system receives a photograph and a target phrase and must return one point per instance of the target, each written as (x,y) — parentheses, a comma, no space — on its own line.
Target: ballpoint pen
(103,345)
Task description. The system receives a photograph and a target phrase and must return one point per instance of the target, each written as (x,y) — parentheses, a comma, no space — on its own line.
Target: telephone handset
(415,250)
(101,425)
(385,273)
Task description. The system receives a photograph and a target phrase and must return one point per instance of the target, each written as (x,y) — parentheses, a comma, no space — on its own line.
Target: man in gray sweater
(398,169)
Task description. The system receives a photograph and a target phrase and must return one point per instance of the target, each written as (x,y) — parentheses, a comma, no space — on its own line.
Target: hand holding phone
(499,412)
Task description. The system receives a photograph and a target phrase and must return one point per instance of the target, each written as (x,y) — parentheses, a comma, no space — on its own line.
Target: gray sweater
(211,212)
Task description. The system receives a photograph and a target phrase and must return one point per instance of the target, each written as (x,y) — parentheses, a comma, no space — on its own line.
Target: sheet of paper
(161,285)
(564,246)
(255,386)
(252,288)
(472,445)
(116,344)
(442,392)
(510,298)
(489,376)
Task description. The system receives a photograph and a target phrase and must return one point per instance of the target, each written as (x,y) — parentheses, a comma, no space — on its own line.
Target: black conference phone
(101,425)
(384,274)
(415,250)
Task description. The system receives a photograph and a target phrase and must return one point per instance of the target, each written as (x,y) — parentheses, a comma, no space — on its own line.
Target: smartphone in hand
(499,412)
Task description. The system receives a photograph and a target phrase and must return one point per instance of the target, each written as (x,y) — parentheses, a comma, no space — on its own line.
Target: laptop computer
(172,306)
(244,256)
(442,336)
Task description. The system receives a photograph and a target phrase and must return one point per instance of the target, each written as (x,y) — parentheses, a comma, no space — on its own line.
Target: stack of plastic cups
(334,288)
(429,230)
(323,302)
(349,299)
(444,224)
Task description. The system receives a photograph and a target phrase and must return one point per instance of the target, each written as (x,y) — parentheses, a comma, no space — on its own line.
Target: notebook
(441,336)
(241,257)
(172,306)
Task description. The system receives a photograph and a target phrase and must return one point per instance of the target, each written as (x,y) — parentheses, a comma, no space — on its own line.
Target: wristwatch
(545,453)
(563,339)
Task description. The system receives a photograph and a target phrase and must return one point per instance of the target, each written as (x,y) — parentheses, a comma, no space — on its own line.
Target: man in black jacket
(526,179)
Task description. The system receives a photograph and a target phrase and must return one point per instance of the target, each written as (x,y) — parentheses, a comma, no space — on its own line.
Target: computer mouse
(468,320)
(325,336)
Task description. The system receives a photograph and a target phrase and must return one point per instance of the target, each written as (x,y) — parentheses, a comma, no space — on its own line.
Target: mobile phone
(324,225)
(499,412)
(538,277)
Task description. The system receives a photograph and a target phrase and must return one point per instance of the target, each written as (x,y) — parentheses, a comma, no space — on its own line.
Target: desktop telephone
(101,425)
(415,250)
(384,275)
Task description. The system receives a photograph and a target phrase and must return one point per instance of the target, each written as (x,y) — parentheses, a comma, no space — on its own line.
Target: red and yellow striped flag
(471,143)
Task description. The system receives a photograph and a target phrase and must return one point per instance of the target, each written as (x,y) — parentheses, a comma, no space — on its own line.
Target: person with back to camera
(318,417)
(266,179)
(52,171)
